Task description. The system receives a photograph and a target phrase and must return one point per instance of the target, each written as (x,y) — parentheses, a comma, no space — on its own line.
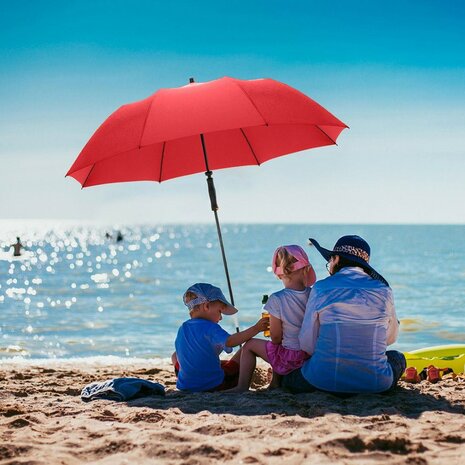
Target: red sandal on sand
(433,374)
(411,375)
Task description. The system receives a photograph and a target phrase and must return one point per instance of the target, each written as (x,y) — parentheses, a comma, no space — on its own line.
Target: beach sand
(43,421)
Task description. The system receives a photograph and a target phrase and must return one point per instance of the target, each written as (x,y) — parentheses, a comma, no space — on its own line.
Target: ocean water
(76,293)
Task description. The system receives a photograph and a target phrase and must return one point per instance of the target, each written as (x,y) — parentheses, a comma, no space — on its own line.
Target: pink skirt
(283,360)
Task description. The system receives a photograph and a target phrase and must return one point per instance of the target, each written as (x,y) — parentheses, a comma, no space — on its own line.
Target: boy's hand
(262,324)
(243,336)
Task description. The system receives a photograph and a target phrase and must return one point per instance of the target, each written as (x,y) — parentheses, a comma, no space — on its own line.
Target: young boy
(201,339)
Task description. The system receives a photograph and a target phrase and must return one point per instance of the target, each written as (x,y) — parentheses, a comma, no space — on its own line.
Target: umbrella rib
(252,102)
(145,123)
(250,146)
(330,138)
(162,157)
(87,177)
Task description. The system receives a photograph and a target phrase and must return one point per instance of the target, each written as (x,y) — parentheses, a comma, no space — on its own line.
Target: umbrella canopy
(242,123)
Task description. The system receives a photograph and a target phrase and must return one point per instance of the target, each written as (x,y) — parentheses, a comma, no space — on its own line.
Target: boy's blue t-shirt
(198,345)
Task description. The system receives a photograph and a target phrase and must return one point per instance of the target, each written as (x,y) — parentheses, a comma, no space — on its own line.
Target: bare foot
(236,390)
(269,375)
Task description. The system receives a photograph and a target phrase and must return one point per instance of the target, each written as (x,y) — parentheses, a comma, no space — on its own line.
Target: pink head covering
(302,261)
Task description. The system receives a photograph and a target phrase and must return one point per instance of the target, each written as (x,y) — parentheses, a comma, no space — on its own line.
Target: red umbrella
(201,127)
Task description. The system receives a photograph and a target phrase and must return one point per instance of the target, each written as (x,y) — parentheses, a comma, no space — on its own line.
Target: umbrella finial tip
(191,80)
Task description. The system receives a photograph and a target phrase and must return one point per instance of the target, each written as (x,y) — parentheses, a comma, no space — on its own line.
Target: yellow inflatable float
(447,356)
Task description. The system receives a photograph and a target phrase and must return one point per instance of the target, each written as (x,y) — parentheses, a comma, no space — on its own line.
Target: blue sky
(393,71)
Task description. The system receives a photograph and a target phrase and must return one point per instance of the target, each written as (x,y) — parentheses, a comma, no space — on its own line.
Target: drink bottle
(265,314)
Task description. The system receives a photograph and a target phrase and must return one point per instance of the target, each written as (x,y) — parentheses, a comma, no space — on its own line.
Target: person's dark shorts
(231,375)
(398,364)
(296,383)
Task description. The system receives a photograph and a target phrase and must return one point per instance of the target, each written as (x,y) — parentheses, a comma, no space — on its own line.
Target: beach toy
(446,350)
(447,356)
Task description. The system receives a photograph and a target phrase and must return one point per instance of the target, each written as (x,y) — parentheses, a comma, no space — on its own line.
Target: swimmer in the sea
(17,246)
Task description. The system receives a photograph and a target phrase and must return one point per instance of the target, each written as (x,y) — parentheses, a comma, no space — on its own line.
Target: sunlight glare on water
(77,293)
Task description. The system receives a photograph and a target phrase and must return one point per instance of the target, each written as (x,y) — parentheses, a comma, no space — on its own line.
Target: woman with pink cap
(287,308)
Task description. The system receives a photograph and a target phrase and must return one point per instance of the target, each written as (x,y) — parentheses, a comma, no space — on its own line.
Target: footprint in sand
(214,430)
(224,454)
(98,450)
(9,451)
(21,376)
(151,417)
(13,412)
(19,423)
(191,453)
(278,452)
(106,416)
(250,459)
(47,370)
(355,444)
(453,439)
(72,392)
(151,371)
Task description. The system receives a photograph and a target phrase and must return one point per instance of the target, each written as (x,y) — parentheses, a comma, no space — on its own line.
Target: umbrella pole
(214,207)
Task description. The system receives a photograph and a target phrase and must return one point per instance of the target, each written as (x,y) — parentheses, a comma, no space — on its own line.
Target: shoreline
(44,421)
(83,362)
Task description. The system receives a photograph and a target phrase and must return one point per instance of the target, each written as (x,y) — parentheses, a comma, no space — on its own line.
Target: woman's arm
(276,330)
(393,322)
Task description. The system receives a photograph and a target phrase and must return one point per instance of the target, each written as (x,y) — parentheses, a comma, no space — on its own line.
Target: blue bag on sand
(121,389)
